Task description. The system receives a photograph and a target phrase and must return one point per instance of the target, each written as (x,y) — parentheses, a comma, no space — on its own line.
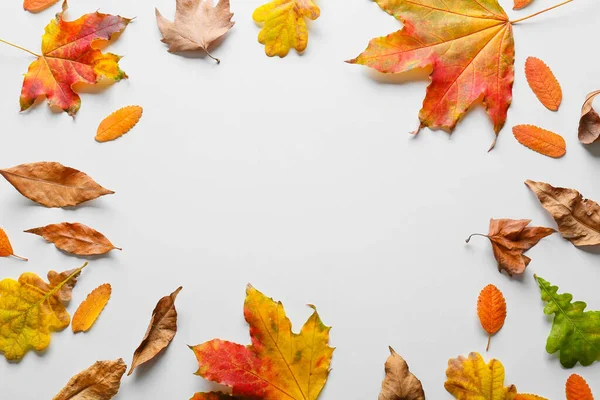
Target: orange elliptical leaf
(578,389)
(37,5)
(118,123)
(537,139)
(469,44)
(70,56)
(519,4)
(543,83)
(89,310)
(6,249)
(491,309)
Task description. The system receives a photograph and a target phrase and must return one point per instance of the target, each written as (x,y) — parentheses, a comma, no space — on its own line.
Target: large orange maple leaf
(469,45)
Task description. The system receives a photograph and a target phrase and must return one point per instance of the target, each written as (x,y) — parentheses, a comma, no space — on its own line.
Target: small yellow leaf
(118,123)
(89,310)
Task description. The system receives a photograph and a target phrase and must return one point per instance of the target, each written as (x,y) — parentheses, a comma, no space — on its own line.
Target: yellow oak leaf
(284,25)
(30,309)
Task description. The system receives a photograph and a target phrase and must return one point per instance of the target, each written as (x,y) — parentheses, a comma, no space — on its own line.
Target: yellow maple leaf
(284,25)
(30,309)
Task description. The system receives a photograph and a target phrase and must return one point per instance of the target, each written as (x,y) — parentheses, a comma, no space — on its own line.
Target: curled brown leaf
(589,124)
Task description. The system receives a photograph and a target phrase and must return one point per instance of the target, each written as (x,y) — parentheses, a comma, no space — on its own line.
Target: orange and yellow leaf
(577,389)
(118,123)
(6,249)
(491,309)
(543,83)
(89,310)
(37,5)
(537,139)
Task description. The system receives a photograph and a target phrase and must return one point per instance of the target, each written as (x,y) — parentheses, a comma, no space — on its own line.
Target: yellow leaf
(30,309)
(118,123)
(284,26)
(89,310)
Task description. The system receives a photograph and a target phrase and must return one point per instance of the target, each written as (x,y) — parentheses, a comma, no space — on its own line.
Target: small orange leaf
(578,389)
(5,246)
(527,396)
(118,123)
(37,5)
(491,309)
(543,83)
(537,139)
(519,4)
(89,310)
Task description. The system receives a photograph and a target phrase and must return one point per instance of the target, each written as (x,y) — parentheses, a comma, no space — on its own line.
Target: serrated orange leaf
(537,139)
(6,249)
(89,310)
(577,388)
(520,4)
(491,309)
(527,396)
(69,56)
(543,83)
(37,5)
(118,123)
(279,364)
(30,309)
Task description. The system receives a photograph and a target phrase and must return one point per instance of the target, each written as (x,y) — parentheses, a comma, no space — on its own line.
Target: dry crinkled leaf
(510,239)
(69,56)
(197,24)
(30,309)
(491,310)
(577,388)
(6,248)
(520,4)
(89,310)
(284,26)
(399,382)
(578,219)
(118,123)
(101,381)
(160,332)
(537,139)
(75,238)
(589,124)
(469,45)
(51,184)
(37,5)
(277,361)
(543,83)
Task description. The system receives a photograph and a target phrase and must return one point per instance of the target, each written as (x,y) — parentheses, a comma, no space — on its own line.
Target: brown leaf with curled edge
(578,219)
(51,184)
(399,382)
(589,124)
(6,248)
(160,333)
(75,238)
(101,381)
(544,84)
(510,239)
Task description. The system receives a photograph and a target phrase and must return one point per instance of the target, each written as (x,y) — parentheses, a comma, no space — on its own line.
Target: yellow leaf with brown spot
(118,123)
(89,310)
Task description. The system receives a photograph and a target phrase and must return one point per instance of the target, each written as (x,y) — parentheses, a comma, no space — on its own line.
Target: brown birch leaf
(6,249)
(578,219)
(75,238)
(537,139)
(101,381)
(399,382)
(544,84)
(589,124)
(51,184)
(160,332)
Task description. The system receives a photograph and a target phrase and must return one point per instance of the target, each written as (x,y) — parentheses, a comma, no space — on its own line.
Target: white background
(298,175)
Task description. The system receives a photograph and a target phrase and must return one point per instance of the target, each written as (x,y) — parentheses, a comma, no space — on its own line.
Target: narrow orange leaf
(519,4)
(527,396)
(37,5)
(118,123)
(537,139)
(89,310)
(543,83)
(6,248)
(578,389)
(491,309)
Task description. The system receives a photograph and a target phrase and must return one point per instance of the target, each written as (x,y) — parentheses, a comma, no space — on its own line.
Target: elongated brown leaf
(75,238)
(399,382)
(52,184)
(589,124)
(160,333)
(101,381)
(578,219)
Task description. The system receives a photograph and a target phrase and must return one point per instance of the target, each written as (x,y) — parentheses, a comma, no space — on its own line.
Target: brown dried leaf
(578,219)
(75,238)
(510,239)
(544,84)
(197,24)
(589,124)
(160,333)
(51,184)
(399,382)
(101,381)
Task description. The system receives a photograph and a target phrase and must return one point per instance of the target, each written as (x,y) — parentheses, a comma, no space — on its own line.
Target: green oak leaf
(575,332)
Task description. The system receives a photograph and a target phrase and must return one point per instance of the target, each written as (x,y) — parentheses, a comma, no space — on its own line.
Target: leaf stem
(476,234)
(488,344)
(540,12)
(19,47)
(219,61)
(19,257)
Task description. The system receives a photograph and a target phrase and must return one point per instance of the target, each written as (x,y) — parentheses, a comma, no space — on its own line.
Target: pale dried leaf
(399,382)
(101,381)
(589,124)
(75,238)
